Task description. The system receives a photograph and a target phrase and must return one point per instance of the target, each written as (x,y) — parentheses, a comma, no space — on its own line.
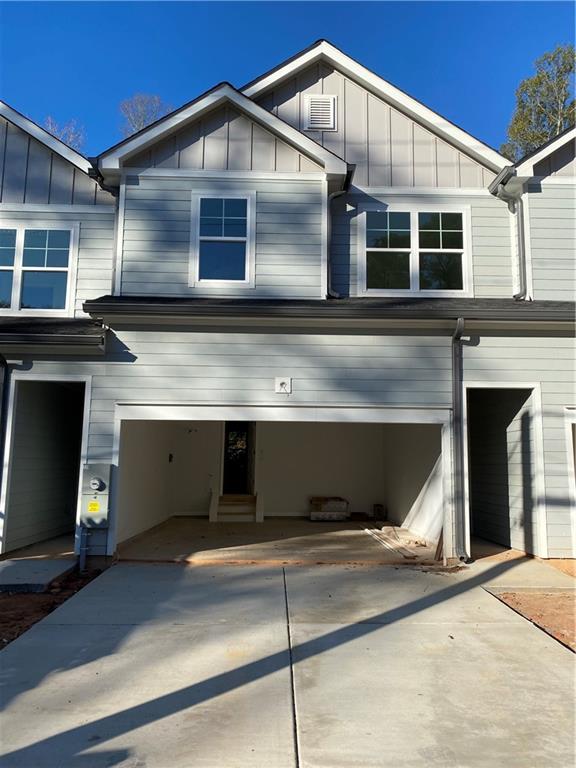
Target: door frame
(21,376)
(541,548)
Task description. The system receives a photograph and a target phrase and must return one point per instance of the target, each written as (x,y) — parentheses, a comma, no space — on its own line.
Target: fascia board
(331,163)
(526,166)
(44,137)
(394,96)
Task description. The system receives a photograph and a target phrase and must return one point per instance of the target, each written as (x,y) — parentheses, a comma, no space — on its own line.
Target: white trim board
(41,135)
(541,543)
(112,159)
(15,378)
(222,175)
(570,432)
(325,51)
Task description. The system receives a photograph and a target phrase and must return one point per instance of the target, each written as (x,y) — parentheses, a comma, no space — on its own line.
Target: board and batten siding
(224,140)
(492,263)
(552,219)
(388,148)
(32,173)
(157,232)
(549,360)
(94,267)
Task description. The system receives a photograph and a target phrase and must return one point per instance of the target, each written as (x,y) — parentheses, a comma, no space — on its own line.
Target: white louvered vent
(320,112)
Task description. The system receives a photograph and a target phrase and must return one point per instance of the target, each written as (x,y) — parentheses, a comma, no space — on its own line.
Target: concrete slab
(144,594)
(280,541)
(32,575)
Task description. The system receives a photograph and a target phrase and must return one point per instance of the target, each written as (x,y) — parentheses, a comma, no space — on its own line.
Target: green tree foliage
(544,104)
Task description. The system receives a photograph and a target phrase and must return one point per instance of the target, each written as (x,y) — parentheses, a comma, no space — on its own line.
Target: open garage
(238,490)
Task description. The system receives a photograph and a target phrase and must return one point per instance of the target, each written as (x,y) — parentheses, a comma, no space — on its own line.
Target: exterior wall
(559,163)
(388,148)
(296,461)
(548,361)
(45,461)
(225,139)
(31,173)
(157,230)
(492,265)
(94,266)
(196,447)
(552,227)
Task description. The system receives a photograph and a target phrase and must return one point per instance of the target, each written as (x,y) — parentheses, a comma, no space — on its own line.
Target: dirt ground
(19,611)
(554,612)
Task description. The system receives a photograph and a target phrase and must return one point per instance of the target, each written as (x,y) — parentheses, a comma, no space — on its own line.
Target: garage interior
(176,476)
(43,476)
(501,450)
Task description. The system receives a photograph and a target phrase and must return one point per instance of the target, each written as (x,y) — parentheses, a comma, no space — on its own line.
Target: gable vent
(319,112)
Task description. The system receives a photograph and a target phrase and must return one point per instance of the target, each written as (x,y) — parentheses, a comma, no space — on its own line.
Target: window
(319,112)
(34,268)
(223,241)
(413,252)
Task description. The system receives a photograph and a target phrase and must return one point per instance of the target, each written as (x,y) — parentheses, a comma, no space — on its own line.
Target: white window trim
(414,291)
(194,280)
(20,226)
(306,112)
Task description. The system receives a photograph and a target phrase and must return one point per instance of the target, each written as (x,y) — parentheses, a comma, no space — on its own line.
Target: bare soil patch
(554,612)
(20,610)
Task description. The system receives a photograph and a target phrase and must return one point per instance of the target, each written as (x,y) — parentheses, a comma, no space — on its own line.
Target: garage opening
(198,490)
(44,468)
(501,461)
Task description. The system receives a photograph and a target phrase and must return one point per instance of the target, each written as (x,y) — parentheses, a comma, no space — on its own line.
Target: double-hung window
(35,268)
(415,252)
(223,241)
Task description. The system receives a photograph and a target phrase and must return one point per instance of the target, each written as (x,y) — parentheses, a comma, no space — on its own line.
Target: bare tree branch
(71,132)
(141,110)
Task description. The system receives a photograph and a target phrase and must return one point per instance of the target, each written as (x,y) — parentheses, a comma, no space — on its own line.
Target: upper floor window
(223,241)
(414,252)
(35,268)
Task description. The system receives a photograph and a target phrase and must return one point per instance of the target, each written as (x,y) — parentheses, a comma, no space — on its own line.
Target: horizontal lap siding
(157,231)
(550,361)
(552,216)
(490,238)
(229,367)
(94,268)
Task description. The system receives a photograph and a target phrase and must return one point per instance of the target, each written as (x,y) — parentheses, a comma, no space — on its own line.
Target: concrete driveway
(168,666)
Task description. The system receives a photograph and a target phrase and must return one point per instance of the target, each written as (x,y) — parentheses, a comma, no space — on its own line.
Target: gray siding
(156,237)
(552,217)
(31,173)
(45,463)
(549,360)
(388,148)
(94,270)
(225,139)
(492,267)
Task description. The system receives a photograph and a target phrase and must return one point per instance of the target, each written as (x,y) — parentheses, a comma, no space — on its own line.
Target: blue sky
(79,60)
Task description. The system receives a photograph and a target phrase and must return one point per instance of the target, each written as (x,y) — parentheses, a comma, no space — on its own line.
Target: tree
(544,104)
(140,110)
(71,133)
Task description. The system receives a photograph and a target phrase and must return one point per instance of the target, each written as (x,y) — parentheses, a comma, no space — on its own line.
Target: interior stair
(237,508)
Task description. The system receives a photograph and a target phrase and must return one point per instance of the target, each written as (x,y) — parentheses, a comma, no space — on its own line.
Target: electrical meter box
(95,495)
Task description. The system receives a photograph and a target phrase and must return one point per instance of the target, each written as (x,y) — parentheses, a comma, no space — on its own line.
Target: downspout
(458,443)
(4,388)
(330,293)
(515,206)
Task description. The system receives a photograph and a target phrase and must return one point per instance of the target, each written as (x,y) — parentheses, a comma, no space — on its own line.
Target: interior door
(238,470)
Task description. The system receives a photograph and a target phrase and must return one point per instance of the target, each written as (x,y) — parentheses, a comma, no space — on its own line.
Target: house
(311,285)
